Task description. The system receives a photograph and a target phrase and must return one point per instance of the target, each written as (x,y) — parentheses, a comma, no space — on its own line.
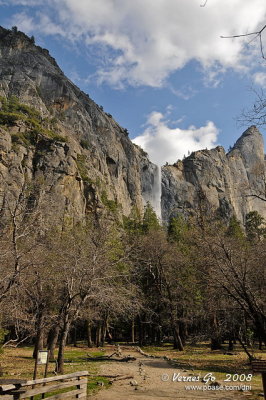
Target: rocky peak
(228,181)
(250,146)
(14,41)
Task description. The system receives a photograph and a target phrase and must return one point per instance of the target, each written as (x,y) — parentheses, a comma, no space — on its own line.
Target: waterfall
(152,189)
(157,192)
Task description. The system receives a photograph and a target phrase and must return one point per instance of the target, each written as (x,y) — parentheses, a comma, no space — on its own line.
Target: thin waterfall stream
(153,194)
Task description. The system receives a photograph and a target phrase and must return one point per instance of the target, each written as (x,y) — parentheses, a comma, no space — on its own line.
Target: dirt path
(151,382)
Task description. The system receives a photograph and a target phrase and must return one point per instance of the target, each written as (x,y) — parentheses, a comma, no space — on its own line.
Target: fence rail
(20,389)
(260,366)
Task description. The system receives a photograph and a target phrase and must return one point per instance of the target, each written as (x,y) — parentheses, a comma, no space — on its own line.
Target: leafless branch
(204,4)
(257,34)
(16,342)
(256,196)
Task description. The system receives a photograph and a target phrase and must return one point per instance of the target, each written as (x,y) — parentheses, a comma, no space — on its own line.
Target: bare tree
(237,268)
(89,268)
(19,237)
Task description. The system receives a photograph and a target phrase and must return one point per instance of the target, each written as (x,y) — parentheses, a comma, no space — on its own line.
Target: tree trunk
(39,335)
(177,339)
(75,343)
(231,345)
(140,331)
(52,341)
(89,336)
(62,344)
(98,334)
(104,330)
(133,331)
(216,342)
(183,332)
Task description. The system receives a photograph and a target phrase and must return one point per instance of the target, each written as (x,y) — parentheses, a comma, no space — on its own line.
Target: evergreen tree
(133,223)
(177,229)
(234,229)
(150,220)
(255,225)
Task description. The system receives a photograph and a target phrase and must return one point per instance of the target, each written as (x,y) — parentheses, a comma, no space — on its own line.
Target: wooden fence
(260,366)
(18,389)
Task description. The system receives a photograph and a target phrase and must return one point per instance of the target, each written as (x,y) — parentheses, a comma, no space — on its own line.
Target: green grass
(93,383)
(18,363)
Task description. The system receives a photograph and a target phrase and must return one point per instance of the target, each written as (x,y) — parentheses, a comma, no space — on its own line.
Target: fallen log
(107,358)
(120,378)
(104,376)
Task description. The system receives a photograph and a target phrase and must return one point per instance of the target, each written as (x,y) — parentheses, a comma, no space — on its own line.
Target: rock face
(227,181)
(95,168)
(74,159)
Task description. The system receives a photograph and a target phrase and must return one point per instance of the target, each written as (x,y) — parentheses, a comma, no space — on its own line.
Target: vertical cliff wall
(230,182)
(96,166)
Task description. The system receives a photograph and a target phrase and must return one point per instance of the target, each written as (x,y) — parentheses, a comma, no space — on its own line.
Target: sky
(160,67)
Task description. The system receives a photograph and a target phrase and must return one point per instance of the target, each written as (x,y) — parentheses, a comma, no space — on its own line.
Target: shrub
(110,204)
(12,111)
(85,144)
(9,118)
(81,164)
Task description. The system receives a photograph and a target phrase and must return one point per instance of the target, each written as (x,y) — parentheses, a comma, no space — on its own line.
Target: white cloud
(29,3)
(151,39)
(29,25)
(185,92)
(24,22)
(165,144)
(260,79)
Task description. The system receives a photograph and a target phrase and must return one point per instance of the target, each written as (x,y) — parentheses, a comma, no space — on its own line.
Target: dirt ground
(153,379)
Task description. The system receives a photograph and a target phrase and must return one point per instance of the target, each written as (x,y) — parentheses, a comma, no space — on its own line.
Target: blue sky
(158,66)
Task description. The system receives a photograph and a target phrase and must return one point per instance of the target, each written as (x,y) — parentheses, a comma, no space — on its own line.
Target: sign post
(41,359)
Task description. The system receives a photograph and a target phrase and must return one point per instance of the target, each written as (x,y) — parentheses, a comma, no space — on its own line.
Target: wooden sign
(42,358)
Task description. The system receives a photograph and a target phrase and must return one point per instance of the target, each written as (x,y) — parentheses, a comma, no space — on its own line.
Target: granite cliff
(74,158)
(83,158)
(229,182)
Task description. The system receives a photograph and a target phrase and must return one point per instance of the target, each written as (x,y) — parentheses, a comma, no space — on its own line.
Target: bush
(13,111)
(9,118)
(110,204)
(85,144)
(81,164)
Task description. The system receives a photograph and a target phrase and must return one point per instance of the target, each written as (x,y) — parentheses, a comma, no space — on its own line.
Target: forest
(130,279)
